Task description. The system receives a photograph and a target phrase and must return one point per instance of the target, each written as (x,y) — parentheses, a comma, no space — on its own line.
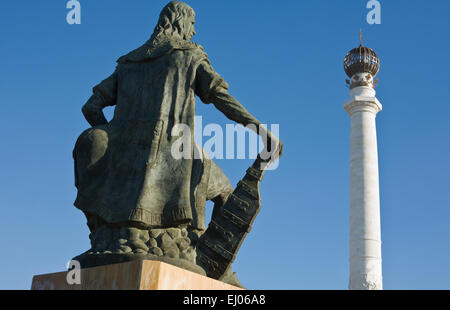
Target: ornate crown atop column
(361,65)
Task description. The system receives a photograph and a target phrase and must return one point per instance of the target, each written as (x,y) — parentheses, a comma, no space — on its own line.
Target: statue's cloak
(137,178)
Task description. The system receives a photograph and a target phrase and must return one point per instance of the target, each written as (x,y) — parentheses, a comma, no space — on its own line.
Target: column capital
(363,104)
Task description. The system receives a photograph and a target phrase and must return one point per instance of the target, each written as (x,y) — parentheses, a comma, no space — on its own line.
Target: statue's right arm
(211,88)
(235,111)
(103,95)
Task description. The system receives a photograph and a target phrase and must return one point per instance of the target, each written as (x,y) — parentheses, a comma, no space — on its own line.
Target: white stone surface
(365,231)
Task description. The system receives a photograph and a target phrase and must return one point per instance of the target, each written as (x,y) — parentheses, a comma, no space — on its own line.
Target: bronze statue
(140,201)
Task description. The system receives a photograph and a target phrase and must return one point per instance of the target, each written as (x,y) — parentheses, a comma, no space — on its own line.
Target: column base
(365,282)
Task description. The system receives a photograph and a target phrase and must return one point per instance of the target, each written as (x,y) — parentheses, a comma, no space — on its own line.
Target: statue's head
(176,21)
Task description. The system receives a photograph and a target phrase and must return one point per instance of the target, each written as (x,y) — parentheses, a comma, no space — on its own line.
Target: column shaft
(365,232)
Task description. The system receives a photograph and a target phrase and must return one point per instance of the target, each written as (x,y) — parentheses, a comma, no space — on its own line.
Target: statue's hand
(273,148)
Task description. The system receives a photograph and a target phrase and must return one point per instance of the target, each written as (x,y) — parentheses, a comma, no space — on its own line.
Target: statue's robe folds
(124,169)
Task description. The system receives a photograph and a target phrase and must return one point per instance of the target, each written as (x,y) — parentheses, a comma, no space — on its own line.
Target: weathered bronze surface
(140,201)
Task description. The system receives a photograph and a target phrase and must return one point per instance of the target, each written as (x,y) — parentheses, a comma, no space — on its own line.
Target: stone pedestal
(135,275)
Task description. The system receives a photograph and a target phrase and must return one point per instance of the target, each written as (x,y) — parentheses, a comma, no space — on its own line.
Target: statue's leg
(125,241)
(89,151)
(219,187)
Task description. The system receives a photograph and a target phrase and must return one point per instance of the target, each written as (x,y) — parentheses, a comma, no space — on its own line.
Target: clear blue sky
(283,61)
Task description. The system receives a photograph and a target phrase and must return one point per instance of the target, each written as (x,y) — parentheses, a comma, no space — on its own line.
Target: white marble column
(365,232)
